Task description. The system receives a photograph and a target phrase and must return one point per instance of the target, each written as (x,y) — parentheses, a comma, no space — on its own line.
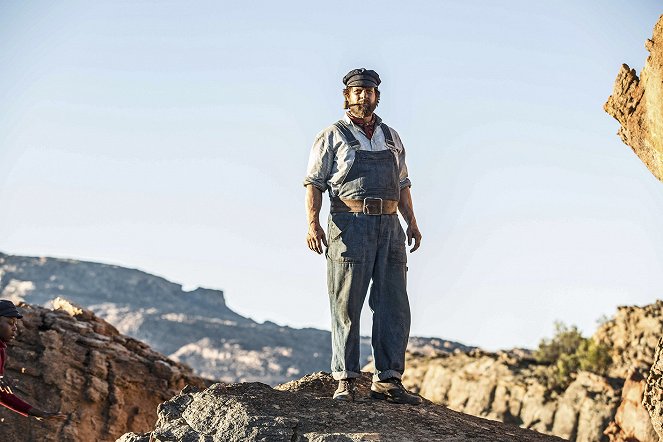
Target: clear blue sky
(173,137)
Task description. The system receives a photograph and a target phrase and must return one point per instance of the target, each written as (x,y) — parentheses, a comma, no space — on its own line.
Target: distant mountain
(194,327)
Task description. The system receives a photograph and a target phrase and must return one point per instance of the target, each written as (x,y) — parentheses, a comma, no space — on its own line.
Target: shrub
(566,353)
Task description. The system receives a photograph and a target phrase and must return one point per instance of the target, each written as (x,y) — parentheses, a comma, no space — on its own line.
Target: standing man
(361,161)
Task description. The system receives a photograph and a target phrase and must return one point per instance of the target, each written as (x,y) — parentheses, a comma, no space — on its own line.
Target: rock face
(505,388)
(632,335)
(653,395)
(196,327)
(636,104)
(69,360)
(304,411)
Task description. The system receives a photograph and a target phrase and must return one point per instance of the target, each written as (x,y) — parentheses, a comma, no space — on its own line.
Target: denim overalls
(365,248)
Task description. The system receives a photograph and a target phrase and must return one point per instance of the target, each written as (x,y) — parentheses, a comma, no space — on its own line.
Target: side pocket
(397,249)
(338,223)
(346,238)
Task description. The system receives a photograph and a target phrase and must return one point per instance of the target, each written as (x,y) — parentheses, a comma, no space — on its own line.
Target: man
(9,316)
(362,163)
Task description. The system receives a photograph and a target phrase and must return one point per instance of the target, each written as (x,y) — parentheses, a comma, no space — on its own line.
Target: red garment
(11,401)
(367,128)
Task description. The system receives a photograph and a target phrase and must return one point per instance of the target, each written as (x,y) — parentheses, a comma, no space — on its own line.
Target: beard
(362,110)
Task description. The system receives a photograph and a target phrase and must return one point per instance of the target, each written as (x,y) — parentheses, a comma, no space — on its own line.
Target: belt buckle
(366,209)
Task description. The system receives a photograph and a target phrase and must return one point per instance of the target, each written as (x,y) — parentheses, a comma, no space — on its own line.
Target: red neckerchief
(367,128)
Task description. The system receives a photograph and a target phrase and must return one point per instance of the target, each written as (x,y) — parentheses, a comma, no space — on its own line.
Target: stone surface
(636,104)
(304,411)
(194,327)
(69,360)
(653,395)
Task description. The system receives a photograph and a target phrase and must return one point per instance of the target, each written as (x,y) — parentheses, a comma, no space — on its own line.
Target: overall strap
(347,134)
(387,136)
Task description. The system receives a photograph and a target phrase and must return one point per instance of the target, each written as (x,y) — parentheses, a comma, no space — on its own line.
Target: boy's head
(9,316)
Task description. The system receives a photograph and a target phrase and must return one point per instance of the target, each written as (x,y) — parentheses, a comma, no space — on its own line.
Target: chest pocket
(372,173)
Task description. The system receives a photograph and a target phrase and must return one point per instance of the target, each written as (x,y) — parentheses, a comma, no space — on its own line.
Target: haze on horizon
(174,138)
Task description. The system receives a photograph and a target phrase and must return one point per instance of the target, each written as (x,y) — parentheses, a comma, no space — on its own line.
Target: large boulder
(71,361)
(304,411)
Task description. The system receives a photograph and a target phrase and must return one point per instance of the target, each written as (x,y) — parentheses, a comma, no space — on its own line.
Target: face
(8,328)
(362,101)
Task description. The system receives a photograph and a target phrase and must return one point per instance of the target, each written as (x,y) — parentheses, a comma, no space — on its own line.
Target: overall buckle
(371,205)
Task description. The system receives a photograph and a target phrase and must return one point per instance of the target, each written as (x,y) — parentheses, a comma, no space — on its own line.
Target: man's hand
(413,233)
(49,415)
(405,207)
(315,237)
(5,387)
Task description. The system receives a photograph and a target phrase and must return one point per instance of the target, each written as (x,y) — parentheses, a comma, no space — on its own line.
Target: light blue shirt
(331,157)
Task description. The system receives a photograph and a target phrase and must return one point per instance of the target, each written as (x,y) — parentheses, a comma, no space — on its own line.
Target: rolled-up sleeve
(403,177)
(319,163)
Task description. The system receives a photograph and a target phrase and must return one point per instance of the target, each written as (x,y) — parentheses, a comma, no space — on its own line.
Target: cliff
(304,411)
(636,104)
(69,360)
(501,387)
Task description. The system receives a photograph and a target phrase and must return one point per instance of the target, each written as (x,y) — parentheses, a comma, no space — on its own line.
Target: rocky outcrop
(193,327)
(653,395)
(632,336)
(304,411)
(636,104)
(505,387)
(69,360)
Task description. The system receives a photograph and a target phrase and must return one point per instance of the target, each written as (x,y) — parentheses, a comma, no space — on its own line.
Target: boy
(9,316)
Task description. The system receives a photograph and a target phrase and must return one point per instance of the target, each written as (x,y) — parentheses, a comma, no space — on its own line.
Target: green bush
(566,353)
(594,357)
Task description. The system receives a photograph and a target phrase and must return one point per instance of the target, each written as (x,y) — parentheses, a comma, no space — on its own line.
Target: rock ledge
(303,410)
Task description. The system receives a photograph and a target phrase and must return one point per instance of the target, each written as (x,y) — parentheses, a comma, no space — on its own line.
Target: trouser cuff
(384,375)
(338,375)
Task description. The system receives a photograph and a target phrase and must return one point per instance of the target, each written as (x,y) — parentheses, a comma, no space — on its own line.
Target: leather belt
(367,206)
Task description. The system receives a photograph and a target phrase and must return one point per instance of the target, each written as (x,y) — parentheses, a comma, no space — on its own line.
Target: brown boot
(345,390)
(392,390)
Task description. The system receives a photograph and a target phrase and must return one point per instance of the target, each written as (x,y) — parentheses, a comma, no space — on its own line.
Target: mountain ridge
(193,327)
